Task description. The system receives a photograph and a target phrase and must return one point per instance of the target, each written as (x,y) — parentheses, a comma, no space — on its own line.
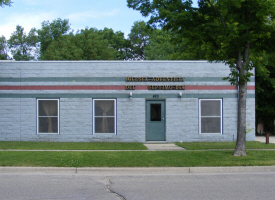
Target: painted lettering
(155,79)
(130,87)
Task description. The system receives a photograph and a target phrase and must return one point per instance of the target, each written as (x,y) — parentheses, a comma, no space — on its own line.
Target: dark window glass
(104,124)
(104,116)
(47,116)
(104,108)
(210,108)
(211,125)
(211,116)
(155,112)
(48,125)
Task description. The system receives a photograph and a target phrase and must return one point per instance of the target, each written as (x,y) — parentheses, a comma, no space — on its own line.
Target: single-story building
(120,101)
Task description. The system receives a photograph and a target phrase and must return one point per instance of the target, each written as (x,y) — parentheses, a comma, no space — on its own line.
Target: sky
(81,14)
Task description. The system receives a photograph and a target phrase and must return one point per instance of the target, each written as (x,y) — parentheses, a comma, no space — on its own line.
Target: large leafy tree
(160,46)
(3,49)
(88,44)
(265,91)
(227,30)
(163,45)
(116,41)
(139,38)
(51,31)
(5,3)
(23,46)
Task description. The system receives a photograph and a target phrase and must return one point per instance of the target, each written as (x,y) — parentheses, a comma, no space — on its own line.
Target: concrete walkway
(173,147)
(150,146)
(108,171)
(263,139)
(163,147)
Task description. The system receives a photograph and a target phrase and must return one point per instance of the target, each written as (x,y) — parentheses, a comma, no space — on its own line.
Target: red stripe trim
(141,87)
(116,87)
(251,87)
(67,87)
(210,87)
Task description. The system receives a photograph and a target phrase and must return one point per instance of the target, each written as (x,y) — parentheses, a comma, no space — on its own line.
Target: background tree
(226,30)
(116,41)
(23,46)
(5,3)
(163,45)
(3,49)
(265,91)
(88,44)
(139,37)
(187,49)
(51,31)
(159,46)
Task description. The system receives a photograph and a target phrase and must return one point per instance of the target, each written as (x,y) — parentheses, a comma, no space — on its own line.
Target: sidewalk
(113,171)
(163,147)
(263,139)
(150,146)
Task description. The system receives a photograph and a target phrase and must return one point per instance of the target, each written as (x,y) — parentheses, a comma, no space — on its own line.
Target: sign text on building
(166,87)
(159,87)
(155,79)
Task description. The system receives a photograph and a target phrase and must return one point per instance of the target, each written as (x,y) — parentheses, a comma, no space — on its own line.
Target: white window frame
(37,116)
(115,117)
(221,117)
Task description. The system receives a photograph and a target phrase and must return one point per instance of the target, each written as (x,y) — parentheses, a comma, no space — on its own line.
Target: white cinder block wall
(21,83)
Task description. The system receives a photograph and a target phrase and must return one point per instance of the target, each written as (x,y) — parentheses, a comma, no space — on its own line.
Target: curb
(112,171)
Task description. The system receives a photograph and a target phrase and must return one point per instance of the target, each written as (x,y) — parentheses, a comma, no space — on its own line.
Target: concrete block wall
(250,119)
(21,83)
(10,119)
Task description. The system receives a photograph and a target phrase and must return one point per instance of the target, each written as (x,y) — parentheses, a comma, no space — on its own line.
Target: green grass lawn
(136,158)
(72,145)
(123,145)
(222,145)
(191,158)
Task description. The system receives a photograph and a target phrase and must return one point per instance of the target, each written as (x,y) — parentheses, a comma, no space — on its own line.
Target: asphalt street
(135,184)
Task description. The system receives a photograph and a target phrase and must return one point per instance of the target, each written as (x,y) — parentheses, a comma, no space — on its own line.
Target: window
(155,112)
(104,120)
(48,116)
(210,114)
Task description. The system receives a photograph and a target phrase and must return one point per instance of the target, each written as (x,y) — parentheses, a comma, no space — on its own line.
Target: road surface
(136,185)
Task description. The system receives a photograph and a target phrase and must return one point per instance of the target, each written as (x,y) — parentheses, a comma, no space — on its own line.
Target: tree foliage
(265,91)
(116,41)
(23,46)
(163,45)
(159,46)
(5,3)
(226,30)
(149,43)
(88,44)
(51,31)
(139,38)
(3,48)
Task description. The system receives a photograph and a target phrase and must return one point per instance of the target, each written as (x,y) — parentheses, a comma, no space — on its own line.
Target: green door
(155,120)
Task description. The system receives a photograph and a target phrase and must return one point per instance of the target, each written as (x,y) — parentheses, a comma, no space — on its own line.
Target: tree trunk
(240,149)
